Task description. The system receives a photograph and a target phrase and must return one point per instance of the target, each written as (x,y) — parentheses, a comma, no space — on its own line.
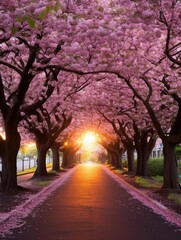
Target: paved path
(92,206)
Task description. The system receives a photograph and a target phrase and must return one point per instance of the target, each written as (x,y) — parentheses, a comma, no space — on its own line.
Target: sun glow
(88,143)
(89,138)
(90,163)
(2,133)
(31,144)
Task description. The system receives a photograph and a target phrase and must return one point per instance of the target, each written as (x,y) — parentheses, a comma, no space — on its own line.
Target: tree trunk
(2,156)
(2,147)
(118,160)
(9,170)
(78,158)
(144,148)
(130,156)
(56,157)
(109,157)
(170,178)
(141,165)
(70,157)
(121,151)
(41,170)
(117,163)
(65,158)
(113,162)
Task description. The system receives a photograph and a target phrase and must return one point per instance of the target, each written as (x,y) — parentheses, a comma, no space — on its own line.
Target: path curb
(14,218)
(158,208)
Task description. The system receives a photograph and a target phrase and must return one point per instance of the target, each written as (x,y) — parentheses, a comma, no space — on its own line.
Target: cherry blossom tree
(49,121)
(142,63)
(70,149)
(46,132)
(20,54)
(115,151)
(163,18)
(129,120)
(30,45)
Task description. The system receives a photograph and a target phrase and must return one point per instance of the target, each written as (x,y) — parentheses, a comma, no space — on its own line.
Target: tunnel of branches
(92,81)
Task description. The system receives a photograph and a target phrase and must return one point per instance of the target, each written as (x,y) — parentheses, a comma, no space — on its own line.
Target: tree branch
(20,72)
(3,106)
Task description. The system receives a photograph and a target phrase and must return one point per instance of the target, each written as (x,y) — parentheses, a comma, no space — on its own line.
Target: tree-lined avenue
(72,66)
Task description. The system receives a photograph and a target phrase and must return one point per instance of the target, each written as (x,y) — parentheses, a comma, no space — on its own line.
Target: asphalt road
(92,206)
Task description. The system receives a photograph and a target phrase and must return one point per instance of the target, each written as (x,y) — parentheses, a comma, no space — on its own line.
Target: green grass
(175,197)
(158,178)
(178,152)
(155,167)
(49,164)
(43,183)
(148,182)
(119,171)
(52,173)
(32,170)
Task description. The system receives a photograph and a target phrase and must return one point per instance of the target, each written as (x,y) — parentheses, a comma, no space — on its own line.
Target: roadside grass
(176,197)
(52,173)
(155,182)
(43,183)
(158,179)
(32,170)
(155,167)
(49,165)
(119,171)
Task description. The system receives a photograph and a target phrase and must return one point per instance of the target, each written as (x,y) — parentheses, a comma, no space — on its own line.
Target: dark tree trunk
(71,157)
(144,148)
(65,158)
(109,157)
(113,160)
(56,157)
(170,178)
(141,166)
(9,170)
(41,170)
(2,157)
(2,147)
(121,151)
(68,157)
(114,155)
(130,156)
(118,160)
(78,158)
